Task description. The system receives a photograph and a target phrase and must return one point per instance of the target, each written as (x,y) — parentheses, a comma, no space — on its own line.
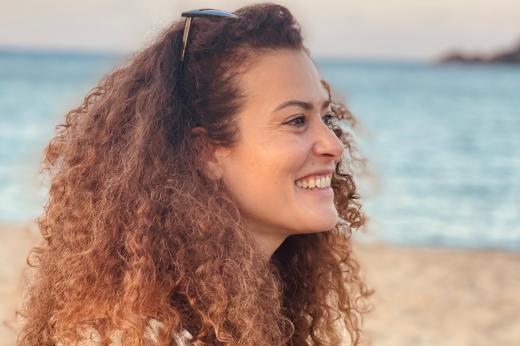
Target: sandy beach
(442,297)
(15,242)
(424,296)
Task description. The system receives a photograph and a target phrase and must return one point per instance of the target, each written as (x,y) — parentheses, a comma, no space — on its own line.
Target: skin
(278,146)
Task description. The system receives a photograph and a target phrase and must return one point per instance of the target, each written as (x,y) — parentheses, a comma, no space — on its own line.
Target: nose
(326,143)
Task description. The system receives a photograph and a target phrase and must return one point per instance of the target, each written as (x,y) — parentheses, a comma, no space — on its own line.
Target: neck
(268,243)
(266,239)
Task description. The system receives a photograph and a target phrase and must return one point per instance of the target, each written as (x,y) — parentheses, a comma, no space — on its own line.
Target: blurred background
(436,89)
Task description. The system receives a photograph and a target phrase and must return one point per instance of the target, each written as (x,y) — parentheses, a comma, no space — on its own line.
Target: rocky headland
(506,56)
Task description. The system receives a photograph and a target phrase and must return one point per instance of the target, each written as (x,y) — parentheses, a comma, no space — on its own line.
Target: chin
(321,228)
(326,223)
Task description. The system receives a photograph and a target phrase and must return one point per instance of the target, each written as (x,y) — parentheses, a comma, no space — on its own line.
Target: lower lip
(326,192)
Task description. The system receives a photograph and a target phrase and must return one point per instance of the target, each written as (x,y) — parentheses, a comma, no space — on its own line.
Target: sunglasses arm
(187,24)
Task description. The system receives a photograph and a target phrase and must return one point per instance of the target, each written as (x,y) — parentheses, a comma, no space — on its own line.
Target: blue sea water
(442,140)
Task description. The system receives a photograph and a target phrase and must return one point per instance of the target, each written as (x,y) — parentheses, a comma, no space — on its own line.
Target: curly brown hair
(134,231)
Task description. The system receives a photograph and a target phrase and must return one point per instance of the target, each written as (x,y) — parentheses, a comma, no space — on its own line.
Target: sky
(374,29)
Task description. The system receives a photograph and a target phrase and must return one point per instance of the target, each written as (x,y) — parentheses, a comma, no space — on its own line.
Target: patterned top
(92,338)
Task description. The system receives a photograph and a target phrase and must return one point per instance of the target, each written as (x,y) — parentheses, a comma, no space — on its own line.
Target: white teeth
(315,182)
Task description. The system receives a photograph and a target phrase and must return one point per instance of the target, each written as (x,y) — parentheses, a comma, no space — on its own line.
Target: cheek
(264,173)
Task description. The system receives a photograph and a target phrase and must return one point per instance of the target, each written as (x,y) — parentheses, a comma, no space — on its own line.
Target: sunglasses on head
(206,13)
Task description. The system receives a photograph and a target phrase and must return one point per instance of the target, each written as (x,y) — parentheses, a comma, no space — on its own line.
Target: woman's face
(283,137)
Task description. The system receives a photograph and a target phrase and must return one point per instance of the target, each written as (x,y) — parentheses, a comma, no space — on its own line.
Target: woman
(191,192)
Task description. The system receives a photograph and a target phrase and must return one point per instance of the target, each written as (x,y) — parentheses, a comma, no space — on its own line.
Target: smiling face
(283,137)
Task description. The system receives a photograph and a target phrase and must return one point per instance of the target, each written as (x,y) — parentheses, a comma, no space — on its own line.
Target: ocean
(442,142)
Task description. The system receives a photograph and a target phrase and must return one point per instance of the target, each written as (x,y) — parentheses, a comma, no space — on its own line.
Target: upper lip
(320,172)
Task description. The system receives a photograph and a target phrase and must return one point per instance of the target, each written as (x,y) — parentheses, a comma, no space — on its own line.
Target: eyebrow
(302,104)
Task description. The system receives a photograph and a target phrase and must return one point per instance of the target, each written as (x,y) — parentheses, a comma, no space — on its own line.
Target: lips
(316,173)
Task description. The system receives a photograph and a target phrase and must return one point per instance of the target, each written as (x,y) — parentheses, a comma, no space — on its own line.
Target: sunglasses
(206,13)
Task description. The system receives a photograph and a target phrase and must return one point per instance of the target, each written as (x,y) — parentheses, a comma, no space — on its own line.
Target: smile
(315,182)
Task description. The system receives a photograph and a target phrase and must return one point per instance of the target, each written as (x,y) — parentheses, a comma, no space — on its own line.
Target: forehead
(281,75)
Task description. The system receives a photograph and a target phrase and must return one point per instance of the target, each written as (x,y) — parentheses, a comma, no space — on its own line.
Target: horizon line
(74,51)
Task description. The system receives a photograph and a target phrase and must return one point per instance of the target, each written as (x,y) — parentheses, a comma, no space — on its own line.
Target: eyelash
(330,115)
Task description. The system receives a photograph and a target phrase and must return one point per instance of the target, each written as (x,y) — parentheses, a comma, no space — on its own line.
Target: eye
(298,121)
(329,118)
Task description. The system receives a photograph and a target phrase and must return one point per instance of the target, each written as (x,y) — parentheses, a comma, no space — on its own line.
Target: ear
(213,155)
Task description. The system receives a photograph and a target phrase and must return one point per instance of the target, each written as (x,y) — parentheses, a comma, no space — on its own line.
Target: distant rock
(509,56)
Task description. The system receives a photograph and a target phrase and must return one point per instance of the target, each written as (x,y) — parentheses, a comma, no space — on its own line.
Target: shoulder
(181,339)
(91,336)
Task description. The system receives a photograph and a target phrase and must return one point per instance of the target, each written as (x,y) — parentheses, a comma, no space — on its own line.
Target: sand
(424,296)
(427,296)
(15,243)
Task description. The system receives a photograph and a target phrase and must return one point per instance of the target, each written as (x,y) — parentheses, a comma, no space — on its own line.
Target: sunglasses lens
(208,13)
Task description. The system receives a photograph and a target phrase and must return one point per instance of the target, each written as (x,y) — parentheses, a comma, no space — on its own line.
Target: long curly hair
(134,231)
